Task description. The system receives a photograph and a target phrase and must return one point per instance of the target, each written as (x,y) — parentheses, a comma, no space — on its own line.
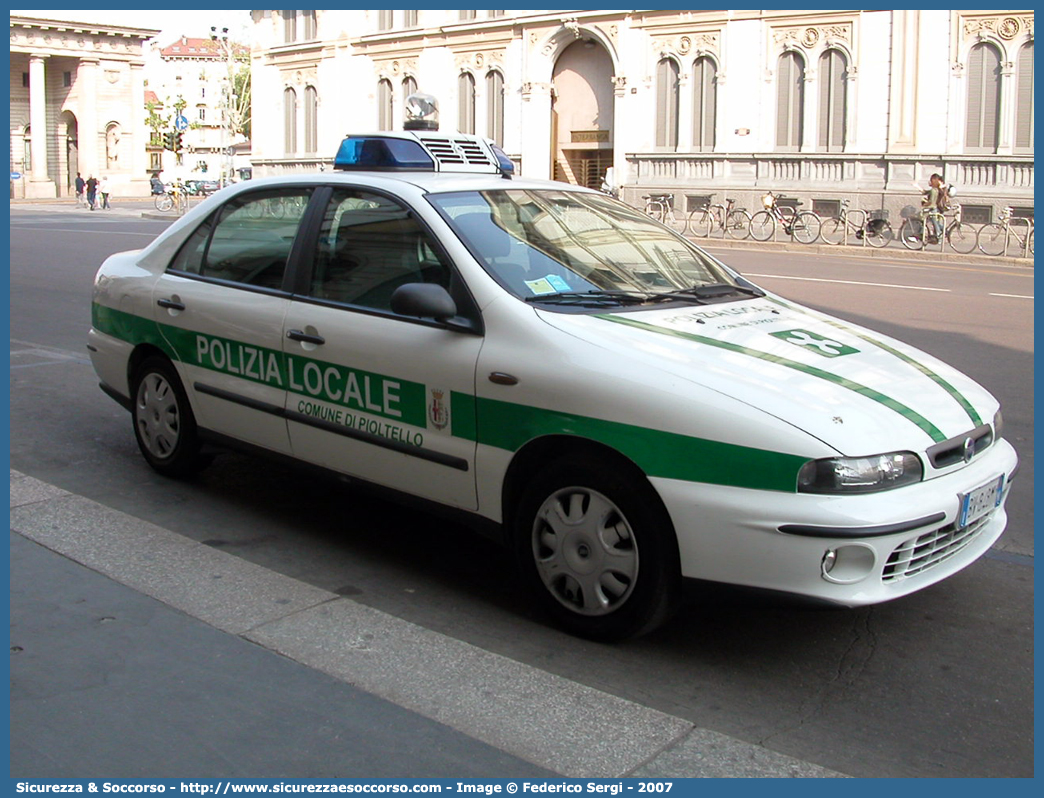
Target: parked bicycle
(802,226)
(171,198)
(961,237)
(732,221)
(856,222)
(661,208)
(993,238)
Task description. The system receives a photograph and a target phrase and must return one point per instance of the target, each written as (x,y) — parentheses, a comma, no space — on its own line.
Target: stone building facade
(77,99)
(815,105)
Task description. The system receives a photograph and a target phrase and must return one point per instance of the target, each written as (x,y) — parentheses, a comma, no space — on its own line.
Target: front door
(372,394)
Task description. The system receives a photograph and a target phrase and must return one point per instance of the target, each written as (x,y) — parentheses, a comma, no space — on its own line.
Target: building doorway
(582,114)
(71,155)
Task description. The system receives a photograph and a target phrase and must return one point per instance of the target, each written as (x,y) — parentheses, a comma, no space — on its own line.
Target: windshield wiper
(711,291)
(595,298)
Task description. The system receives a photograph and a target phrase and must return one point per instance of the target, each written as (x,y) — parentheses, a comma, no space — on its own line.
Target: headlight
(998,426)
(860,474)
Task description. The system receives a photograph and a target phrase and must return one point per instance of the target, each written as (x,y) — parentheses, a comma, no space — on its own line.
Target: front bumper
(883,545)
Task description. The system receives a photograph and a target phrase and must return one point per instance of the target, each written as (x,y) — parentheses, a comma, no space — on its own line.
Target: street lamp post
(220,37)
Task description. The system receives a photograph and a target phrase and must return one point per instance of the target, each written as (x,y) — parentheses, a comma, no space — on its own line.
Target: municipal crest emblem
(438,411)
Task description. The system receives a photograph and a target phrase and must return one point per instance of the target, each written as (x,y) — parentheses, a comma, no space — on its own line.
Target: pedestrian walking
(80,184)
(92,191)
(103,189)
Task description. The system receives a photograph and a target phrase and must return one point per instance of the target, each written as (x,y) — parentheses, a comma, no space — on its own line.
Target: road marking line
(1013,296)
(849,282)
(78,230)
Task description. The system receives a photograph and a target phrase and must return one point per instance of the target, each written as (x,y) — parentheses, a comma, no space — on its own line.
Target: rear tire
(164,425)
(737,225)
(878,233)
(597,549)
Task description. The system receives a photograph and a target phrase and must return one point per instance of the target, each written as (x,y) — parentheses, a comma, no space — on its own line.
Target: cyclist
(936,198)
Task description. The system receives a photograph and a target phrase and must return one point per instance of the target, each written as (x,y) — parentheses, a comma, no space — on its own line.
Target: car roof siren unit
(422,151)
(421,111)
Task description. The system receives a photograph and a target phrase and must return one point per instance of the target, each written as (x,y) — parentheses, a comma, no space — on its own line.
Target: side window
(369,245)
(248,242)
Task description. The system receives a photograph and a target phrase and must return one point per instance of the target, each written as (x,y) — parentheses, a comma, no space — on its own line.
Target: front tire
(762,226)
(993,239)
(805,227)
(164,202)
(961,238)
(597,549)
(164,425)
(833,230)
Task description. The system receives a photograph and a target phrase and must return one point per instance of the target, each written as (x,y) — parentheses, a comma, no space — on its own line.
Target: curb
(548,720)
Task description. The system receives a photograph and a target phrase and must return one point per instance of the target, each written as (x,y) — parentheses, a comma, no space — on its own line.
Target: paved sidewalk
(138,652)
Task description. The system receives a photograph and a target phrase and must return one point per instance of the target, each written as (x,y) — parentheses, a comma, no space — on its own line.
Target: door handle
(170,304)
(300,335)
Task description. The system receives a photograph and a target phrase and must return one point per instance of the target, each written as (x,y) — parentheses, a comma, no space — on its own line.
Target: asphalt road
(936,684)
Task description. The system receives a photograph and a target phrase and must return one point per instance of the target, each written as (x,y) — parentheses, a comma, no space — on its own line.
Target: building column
(40,183)
(905,75)
(537,148)
(87,78)
(139,155)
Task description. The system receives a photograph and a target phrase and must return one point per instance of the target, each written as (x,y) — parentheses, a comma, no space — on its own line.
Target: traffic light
(177,141)
(168,141)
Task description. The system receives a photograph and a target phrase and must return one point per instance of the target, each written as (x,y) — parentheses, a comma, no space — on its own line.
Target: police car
(625,410)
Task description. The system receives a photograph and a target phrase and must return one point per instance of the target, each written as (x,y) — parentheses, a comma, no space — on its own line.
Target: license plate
(980,501)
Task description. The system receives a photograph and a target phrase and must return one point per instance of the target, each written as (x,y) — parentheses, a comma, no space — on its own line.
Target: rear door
(221,306)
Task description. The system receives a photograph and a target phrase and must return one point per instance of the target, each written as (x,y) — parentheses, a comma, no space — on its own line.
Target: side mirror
(423,300)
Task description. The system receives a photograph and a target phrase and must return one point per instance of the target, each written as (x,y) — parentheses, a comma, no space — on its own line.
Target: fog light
(846,565)
(828,561)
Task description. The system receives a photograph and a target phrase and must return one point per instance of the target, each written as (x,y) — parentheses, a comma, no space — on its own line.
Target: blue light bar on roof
(382,153)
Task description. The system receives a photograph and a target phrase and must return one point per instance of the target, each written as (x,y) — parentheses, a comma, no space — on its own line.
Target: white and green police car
(621,407)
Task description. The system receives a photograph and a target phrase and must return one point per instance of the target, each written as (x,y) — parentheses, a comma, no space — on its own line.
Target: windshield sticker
(827,347)
(557,283)
(540,287)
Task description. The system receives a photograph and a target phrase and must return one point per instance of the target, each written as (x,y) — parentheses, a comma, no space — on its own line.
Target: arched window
(384,105)
(667,104)
(1024,100)
(290,121)
(466,103)
(833,71)
(27,149)
(495,107)
(704,104)
(982,128)
(409,86)
(308,24)
(790,102)
(311,118)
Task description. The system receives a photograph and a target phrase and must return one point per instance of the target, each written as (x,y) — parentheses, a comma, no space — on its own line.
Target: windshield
(568,247)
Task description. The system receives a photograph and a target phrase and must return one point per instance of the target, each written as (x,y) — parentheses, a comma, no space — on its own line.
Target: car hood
(858,391)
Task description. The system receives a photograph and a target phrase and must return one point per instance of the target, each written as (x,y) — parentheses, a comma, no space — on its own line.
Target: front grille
(922,553)
(954,451)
